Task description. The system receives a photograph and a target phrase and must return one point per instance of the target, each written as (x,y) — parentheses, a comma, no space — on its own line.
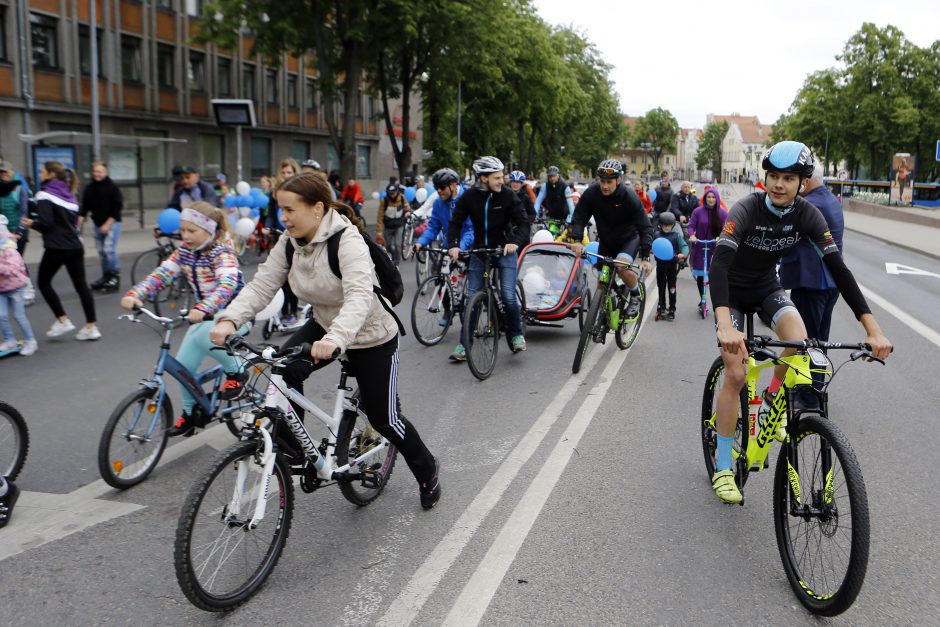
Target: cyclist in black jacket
(623,228)
(499,221)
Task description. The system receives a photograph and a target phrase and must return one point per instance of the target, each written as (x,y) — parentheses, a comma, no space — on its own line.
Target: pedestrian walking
(103,200)
(13,280)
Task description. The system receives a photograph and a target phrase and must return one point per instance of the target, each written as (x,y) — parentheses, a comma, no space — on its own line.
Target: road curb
(912,249)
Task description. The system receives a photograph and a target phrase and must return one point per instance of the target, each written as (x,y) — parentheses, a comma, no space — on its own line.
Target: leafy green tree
(659,128)
(709,148)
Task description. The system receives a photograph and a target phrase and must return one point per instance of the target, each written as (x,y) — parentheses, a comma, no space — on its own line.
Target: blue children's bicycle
(136,433)
(703,304)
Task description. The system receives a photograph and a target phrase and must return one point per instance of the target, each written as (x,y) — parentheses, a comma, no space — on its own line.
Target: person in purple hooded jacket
(54,213)
(705,224)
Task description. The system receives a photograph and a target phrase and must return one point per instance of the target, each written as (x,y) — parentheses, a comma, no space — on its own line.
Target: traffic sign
(938,150)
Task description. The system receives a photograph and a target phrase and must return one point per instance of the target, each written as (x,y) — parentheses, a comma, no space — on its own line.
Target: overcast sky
(694,57)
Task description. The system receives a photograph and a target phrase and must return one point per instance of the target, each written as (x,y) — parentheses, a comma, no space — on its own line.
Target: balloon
(542,236)
(258,198)
(375,195)
(652,195)
(429,187)
(169,220)
(382,195)
(229,201)
(421,195)
(273,308)
(279,212)
(592,248)
(254,213)
(410,194)
(232,220)
(245,227)
(662,249)
(243,188)
(244,211)
(533,284)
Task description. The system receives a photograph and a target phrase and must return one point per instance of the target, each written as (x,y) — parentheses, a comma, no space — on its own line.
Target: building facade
(155,81)
(639,159)
(742,148)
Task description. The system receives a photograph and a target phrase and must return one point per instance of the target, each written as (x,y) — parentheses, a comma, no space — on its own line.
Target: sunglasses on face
(608,173)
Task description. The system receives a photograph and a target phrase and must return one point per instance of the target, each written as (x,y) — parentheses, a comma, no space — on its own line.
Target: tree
(709,148)
(659,128)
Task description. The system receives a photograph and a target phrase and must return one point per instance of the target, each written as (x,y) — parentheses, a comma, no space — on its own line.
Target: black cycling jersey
(619,217)
(754,239)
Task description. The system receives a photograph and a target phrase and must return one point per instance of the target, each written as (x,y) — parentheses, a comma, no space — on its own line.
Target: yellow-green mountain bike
(820,503)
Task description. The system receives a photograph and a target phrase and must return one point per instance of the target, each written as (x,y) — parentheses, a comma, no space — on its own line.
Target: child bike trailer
(555,284)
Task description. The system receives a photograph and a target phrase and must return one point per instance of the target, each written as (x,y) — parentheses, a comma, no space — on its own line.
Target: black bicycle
(176,295)
(439,298)
(487,317)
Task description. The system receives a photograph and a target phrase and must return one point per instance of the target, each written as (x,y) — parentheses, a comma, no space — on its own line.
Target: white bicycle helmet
(487,165)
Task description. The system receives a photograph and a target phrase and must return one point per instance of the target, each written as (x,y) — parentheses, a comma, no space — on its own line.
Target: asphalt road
(567,500)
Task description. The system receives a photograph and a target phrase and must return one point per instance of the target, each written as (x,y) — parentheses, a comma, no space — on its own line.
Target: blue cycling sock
(724,461)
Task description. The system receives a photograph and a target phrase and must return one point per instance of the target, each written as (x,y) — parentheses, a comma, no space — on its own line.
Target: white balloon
(375,195)
(421,195)
(273,308)
(542,236)
(244,227)
(243,188)
(244,211)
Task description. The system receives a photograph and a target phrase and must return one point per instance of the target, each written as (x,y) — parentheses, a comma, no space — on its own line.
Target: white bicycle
(236,519)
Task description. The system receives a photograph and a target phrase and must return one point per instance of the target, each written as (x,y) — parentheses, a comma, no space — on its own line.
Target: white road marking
(485,581)
(900,268)
(915,325)
(407,605)
(40,517)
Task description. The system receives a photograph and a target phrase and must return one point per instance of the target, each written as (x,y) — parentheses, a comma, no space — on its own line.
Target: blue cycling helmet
(517,176)
(789,156)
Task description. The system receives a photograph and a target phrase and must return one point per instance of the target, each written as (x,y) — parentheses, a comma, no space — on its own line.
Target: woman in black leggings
(54,213)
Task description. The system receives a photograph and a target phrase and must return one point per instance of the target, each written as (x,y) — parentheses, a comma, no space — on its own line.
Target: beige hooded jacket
(348,309)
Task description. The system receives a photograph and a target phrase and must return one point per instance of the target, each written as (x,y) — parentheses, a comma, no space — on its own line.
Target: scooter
(703,304)
(13,351)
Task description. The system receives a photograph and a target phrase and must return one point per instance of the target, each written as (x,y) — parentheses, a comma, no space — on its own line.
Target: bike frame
(705,244)
(278,399)
(605,281)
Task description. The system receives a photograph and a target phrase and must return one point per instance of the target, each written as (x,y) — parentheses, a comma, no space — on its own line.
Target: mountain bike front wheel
(630,328)
(593,325)
(481,335)
(713,382)
(356,438)
(14,441)
(222,559)
(133,439)
(821,517)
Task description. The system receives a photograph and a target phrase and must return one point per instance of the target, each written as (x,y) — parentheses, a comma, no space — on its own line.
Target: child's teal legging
(195,348)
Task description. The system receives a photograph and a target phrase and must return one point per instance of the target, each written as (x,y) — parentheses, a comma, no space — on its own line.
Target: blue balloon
(430,188)
(169,220)
(382,195)
(229,202)
(254,213)
(652,195)
(662,249)
(279,212)
(410,194)
(592,248)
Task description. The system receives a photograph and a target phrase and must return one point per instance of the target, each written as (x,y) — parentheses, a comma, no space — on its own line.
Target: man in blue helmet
(760,228)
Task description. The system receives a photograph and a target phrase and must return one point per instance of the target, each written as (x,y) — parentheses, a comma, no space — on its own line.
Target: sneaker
(234,386)
(633,308)
(459,353)
(443,321)
(88,333)
(29,347)
(60,328)
(8,500)
(8,345)
(671,315)
(725,488)
(660,313)
(288,321)
(97,285)
(113,284)
(183,427)
(518,344)
(430,491)
(29,294)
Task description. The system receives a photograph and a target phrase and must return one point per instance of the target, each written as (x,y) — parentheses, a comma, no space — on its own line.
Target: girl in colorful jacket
(207,260)
(12,303)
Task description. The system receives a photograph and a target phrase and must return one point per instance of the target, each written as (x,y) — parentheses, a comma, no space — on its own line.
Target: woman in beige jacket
(347,314)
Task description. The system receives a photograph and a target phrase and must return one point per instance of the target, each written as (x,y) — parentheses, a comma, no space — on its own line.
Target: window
(260,157)
(270,86)
(193,7)
(130,59)
(3,33)
(224,77)
(363,161)
(372,108)
(332,159)
(43,32)
(359,107)
(210,152)
(166,57)
(196,72)
(84,50)
(311,95)
(300,150)
(153,158)
(248,82)
(292,92)
(166,5)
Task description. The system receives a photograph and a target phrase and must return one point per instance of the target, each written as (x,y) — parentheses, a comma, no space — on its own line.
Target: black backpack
(390,287)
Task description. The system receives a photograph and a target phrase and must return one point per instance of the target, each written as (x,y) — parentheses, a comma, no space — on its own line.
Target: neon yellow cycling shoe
(725,488)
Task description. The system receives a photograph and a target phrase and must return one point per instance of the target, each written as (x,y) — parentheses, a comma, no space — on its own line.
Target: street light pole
(459,89)
(95,105)
(826,166)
